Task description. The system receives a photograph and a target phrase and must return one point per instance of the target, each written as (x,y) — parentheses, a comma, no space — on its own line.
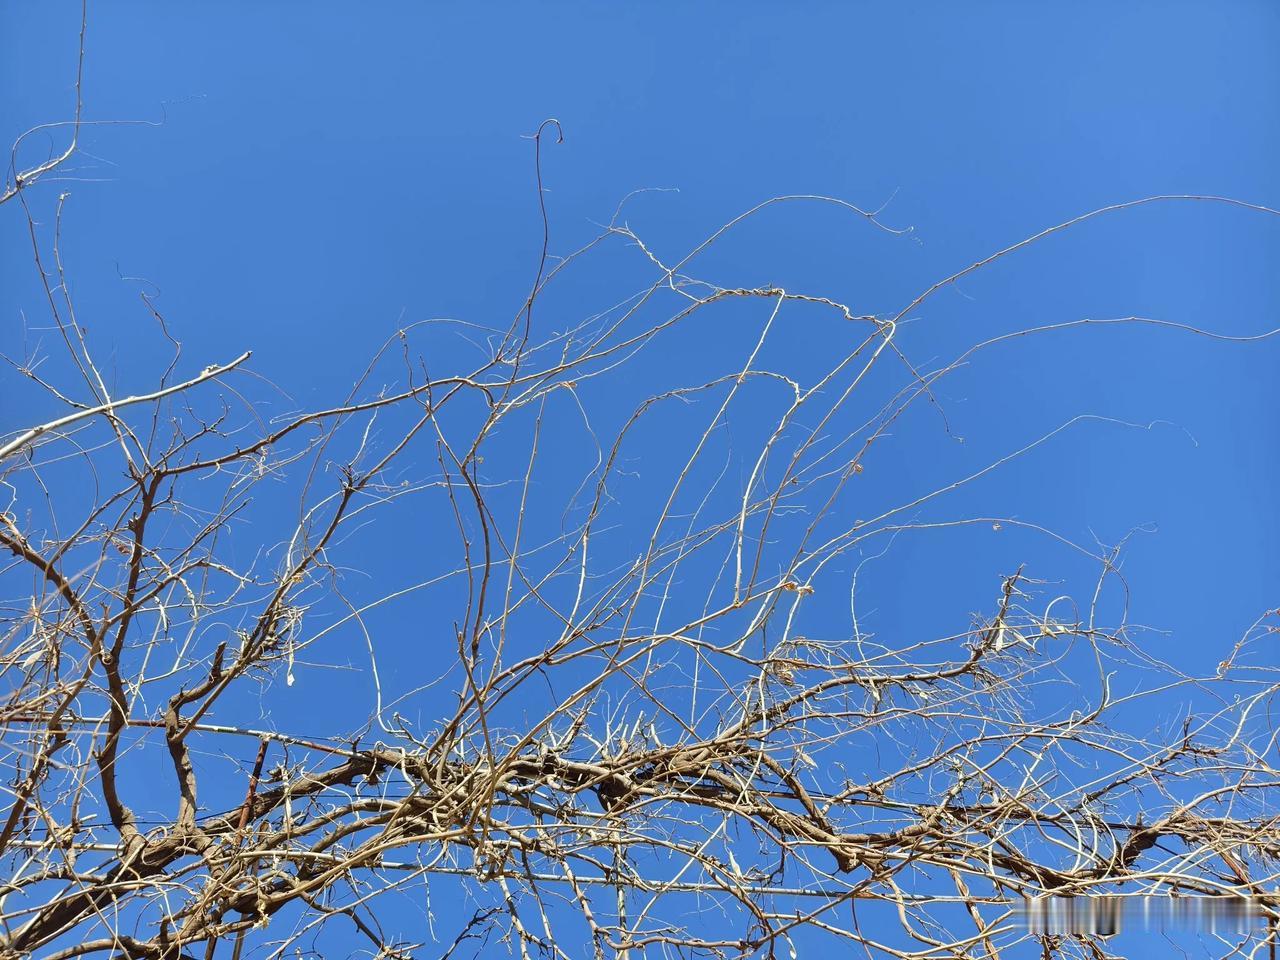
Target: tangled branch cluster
(600,715)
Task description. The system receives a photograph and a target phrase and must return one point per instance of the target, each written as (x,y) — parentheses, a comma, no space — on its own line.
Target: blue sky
(318,179)
(312,180)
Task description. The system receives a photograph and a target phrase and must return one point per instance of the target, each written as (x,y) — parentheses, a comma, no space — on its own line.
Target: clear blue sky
(324,173)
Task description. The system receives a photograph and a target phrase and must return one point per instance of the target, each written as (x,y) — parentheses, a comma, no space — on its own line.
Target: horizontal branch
(111,406)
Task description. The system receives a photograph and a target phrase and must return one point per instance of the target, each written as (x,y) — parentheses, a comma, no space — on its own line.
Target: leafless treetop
(602,711)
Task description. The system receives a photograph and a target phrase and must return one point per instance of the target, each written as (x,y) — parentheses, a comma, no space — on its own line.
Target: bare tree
(620,736)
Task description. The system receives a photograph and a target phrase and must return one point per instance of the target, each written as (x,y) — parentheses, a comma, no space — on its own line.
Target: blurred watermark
(1108,915)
